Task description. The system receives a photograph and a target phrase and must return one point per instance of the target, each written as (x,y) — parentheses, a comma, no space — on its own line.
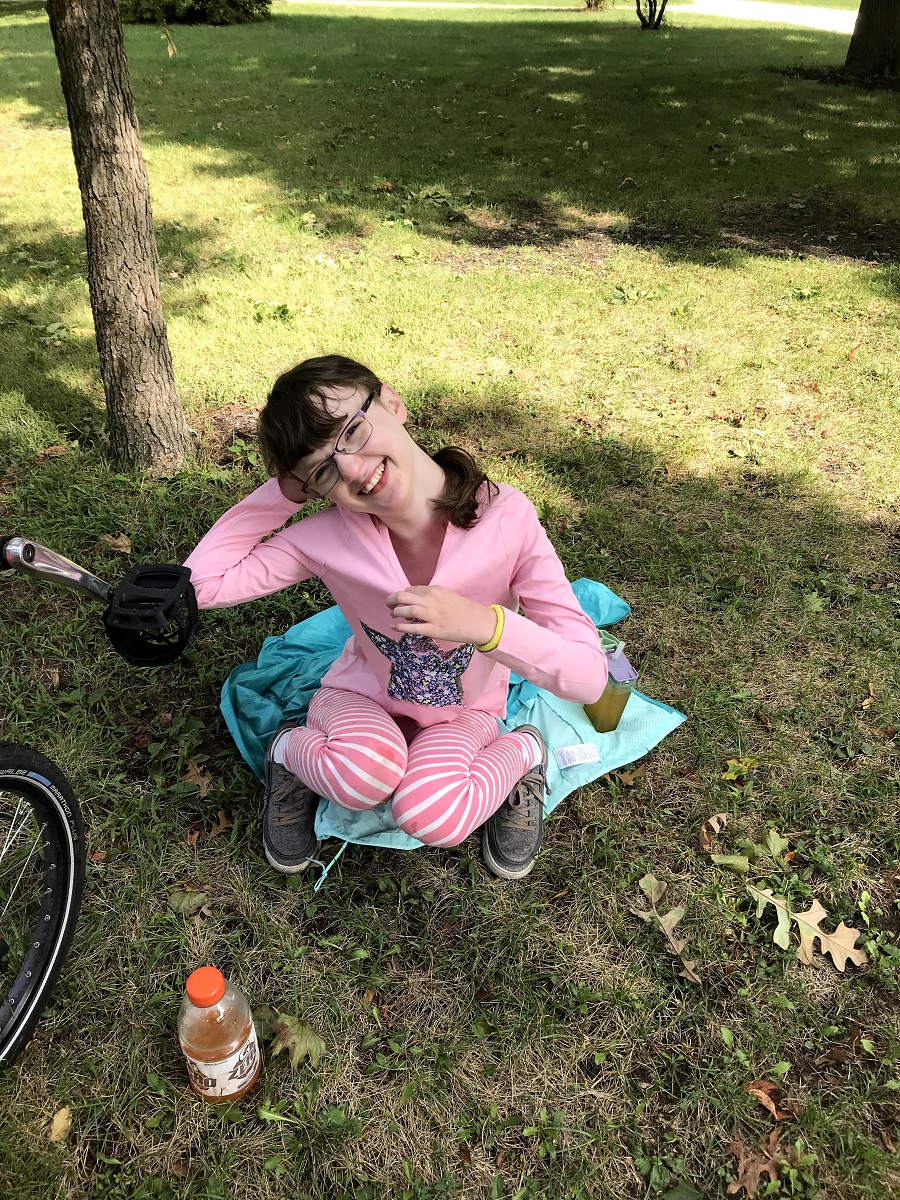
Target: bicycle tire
(45,803)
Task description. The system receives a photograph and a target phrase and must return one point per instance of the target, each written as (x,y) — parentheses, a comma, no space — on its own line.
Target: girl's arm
(240,560)
(554,644)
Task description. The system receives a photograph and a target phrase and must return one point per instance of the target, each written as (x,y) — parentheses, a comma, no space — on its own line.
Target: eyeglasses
(354,436)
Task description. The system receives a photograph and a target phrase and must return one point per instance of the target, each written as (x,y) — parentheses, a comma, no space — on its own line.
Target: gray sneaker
(512,836)
(288,816)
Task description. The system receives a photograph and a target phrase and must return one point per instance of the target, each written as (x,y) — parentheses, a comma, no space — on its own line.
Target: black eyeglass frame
(367,404)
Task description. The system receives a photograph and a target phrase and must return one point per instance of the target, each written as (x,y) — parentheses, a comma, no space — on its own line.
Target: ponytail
(463,479)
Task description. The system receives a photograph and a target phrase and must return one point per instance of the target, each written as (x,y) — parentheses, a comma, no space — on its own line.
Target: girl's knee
(425,829)
(358,804)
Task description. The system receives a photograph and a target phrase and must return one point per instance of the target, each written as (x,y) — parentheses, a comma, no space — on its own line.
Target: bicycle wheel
(42,862)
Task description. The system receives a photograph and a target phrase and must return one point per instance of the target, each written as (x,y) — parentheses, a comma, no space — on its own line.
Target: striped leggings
(445,783)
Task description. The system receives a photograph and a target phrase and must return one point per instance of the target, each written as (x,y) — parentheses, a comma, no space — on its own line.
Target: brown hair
(296,421)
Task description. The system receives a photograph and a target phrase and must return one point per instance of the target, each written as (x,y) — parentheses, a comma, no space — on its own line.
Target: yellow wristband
(498,631)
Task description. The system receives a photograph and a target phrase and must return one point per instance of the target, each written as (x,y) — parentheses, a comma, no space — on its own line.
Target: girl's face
(376,477)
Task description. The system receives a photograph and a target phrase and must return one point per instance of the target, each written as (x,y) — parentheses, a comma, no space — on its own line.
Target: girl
(430,563)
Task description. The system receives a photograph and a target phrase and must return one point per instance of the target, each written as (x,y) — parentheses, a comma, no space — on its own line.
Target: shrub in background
(195,12)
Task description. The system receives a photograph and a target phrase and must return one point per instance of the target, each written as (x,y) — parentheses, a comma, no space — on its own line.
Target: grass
(850,5)
(651,281)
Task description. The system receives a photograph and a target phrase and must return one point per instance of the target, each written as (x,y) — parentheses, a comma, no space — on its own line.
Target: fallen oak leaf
(628,778)
(193,831)
(223,822)
(653,888)
(121,543)
(753,1164)
(764,719)
(841,944)
(710,828)
(838,1054)
(770,1096)
(763,896)
(198,777)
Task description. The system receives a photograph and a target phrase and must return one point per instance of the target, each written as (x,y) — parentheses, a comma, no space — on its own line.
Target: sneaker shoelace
(290,800)
(521,809)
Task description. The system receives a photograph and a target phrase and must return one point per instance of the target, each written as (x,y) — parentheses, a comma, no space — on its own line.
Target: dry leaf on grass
(60,1125)
(753,1164)
(763,896)
(771,1097)
(193,831)
(710,828)
(629,778)
(654,889)
(841,944)
(121,543)
(199,777)
(97,856)
(51,452)
(223,821)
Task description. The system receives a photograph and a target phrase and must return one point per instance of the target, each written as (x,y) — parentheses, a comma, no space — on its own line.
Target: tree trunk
(875,45)
(146,421)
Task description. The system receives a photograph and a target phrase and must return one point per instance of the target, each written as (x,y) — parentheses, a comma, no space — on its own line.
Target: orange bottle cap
(205,986)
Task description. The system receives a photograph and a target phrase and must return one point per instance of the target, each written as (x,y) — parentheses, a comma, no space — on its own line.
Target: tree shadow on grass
(512,133)
(48,341)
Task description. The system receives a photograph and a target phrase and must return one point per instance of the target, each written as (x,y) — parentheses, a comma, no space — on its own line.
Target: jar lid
(205,986)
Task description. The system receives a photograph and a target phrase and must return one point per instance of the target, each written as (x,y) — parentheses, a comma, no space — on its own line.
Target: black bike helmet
(152,614)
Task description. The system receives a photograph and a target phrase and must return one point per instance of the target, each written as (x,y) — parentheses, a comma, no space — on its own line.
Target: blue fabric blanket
(259,697)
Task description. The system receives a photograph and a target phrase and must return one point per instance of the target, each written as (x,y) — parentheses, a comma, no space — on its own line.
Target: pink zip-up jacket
(505,559)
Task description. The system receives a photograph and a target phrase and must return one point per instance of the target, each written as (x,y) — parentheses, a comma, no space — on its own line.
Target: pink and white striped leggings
(445,783)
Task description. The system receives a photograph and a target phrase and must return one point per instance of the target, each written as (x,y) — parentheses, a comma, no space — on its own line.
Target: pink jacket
(506,559)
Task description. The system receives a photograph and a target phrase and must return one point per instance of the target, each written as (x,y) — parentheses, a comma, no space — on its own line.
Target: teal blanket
(259,697)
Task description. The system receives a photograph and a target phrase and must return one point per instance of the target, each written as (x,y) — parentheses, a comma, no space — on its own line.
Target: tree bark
(875,45)
(146,422)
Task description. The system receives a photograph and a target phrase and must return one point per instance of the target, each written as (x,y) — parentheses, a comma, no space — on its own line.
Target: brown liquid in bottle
(215,1028)
(208,1044)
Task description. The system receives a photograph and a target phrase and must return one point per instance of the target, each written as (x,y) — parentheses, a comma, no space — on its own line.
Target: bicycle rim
(41,881)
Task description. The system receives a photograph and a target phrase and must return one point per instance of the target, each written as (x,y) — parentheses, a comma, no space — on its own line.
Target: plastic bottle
(215,1028)
(604,714)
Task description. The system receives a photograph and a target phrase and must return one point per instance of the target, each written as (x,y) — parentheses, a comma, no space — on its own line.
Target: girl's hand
(437,612)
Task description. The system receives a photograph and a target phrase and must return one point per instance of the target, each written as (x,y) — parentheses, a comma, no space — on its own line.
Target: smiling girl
(430,563)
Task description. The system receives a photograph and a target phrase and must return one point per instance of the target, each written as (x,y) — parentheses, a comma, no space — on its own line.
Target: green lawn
(851,5)
(649,279)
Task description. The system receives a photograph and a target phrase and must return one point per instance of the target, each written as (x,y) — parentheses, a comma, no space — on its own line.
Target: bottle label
(219,1080)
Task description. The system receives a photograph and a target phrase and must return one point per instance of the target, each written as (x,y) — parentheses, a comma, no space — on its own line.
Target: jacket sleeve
(241,558)
(552,642)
